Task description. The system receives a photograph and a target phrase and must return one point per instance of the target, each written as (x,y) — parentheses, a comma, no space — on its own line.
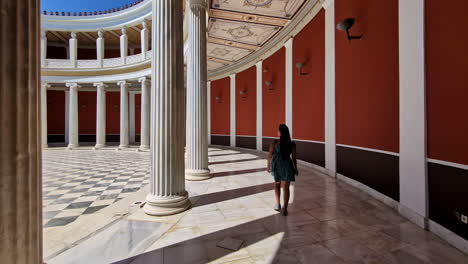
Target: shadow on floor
(232,161)
(238,172)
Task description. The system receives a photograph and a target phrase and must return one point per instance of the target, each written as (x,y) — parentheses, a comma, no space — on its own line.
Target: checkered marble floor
(84,181)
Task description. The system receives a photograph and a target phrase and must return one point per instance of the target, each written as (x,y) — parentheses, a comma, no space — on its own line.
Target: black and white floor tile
(82,182)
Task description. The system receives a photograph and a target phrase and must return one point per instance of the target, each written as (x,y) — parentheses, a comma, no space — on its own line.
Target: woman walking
(282,164)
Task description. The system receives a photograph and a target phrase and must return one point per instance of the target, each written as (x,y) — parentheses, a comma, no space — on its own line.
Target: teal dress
(282,169)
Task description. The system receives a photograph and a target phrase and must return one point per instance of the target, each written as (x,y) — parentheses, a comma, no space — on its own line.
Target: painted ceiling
(237,28)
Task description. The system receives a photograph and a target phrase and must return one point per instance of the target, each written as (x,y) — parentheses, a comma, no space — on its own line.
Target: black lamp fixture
(300,65)
(243,93)
(218,99)
(345,25)
(269,85)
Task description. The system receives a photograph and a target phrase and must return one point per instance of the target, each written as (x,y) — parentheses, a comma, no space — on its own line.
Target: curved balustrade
(95,64)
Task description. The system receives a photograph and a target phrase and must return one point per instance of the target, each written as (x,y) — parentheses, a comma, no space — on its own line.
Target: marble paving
(81,182)
(328,222)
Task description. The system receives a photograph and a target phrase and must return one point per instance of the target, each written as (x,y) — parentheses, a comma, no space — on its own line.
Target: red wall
(309,90)
(367,79)
(446,71)
(137,113)
(273,103)
(220,111)
(87,112)
(246,105)
(56,112)
(112,113)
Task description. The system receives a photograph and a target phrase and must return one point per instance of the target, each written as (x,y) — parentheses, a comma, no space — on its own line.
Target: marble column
(73,134)
(123,114)
(144,38)
(44,87)
(289,85)
(197,123)
(131,117)
(66,117)
(124,45)
(20,146)
(100,115)
(43,48)
(73,49)
(167,184)
(145,113)
(100,48)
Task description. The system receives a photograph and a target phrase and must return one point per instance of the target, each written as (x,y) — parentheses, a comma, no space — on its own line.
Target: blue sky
(81,5)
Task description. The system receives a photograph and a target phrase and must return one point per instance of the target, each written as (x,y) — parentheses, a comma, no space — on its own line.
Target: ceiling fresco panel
(276,8)
(254,34)
(226,52)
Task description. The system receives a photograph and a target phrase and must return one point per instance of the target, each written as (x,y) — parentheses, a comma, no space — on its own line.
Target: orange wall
(246,105)
(309,90)
(220,111)
(137,113)
(112,113)
(87,112)
(273,103)
(56,112)
(367,79)
(446,71)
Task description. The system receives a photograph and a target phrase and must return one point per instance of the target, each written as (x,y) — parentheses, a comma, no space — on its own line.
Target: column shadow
(233,161)
(237,172)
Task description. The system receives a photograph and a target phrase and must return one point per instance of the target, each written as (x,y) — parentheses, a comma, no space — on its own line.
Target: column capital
(45,85)
(73,85)
(144,24)
(123,83)
(73,35)
(100,33)
(259,64)
(43,34)
(100,84)
(124,30)
(201,4)
(143,79)
(327,3)
(232,76)
(288,44)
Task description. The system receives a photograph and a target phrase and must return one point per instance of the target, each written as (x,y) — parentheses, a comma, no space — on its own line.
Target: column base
(44,146)
(72,146)
(99,146)
(144,147)
(197,175)
(159,206)
(122,147)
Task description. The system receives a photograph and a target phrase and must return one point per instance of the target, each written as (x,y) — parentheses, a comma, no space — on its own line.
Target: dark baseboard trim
(312,152)
(248,142)
(377,170)
(221,140)
(447,187)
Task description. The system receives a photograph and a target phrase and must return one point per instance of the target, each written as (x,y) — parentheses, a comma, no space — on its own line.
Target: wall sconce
(269,85)
(243,93)
(265,69)
(218,99)
(300,65)
(345,25)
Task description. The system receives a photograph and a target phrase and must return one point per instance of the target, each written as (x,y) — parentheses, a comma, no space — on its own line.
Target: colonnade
(72,131)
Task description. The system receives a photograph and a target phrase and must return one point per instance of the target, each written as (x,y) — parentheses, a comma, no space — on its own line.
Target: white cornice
(94,79)
(302,18)
(327,3)
(127,17)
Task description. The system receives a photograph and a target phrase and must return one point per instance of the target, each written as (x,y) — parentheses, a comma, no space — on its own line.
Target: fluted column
(100,48)
(145,113)
(73,48)
(123,114)
(124,45)
(43,48)
(20,149)
(197,124)
(167,185)
(44,87)
(73,133)
(144,38)
(100,115)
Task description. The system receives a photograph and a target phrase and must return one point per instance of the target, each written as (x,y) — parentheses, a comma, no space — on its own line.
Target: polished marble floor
(328,222)
(82,182)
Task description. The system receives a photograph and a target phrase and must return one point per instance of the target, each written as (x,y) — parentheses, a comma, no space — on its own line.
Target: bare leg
(277,192)
(285,185)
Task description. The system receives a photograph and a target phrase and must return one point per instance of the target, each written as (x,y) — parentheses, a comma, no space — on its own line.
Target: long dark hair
(285,141)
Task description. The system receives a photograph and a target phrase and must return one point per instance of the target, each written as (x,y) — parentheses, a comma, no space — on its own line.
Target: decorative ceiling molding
(228,53)
(304,16)
(251,18)
(275,8)
(232,43)
(224,62)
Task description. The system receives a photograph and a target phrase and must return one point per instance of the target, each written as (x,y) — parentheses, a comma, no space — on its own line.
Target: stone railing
(95,64)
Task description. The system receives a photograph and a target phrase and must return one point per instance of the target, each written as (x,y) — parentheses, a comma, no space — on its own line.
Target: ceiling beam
(59,36)
(88,36)
(130,44)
